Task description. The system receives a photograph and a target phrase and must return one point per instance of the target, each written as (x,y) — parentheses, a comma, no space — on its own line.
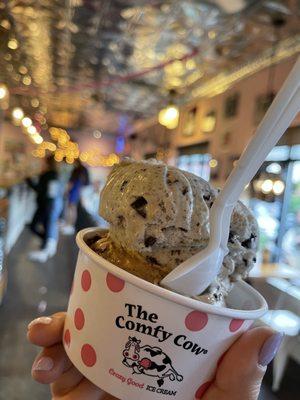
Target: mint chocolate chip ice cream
(159,216)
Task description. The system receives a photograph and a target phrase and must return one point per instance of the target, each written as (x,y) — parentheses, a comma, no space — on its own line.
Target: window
(262,104)
(189,122)
(231,105)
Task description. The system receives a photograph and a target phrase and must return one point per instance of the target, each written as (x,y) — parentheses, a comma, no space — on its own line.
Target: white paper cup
(138,341)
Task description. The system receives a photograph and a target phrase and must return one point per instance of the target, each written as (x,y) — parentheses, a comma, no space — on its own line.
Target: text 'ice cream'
(159,217)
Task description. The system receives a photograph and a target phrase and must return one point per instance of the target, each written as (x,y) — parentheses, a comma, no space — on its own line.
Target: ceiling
(89,63)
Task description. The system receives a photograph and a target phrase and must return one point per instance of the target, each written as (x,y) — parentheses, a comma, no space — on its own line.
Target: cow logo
(151,361)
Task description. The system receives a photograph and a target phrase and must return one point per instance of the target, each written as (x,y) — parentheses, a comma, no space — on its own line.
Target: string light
(17,113)
(13,44)
(26,122)
(278,187)
(69,150)
(5,24)
(267,186)
(37,138)
(97,134)
(190,64)
(3,91)
(7,57)
(26,80)
(35,103)
(23,70)
(31,130)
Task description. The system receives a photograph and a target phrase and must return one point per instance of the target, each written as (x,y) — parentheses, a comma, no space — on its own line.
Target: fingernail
(269,349)
(40,320)
(43,364)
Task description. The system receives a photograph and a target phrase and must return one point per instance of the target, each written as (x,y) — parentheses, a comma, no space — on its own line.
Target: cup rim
(167,294)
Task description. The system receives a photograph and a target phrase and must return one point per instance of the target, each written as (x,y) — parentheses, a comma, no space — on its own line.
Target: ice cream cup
(136,340)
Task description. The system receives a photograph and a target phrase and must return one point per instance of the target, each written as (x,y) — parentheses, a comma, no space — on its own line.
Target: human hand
(239,375)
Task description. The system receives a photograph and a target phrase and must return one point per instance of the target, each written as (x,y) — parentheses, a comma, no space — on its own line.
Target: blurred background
(84,83)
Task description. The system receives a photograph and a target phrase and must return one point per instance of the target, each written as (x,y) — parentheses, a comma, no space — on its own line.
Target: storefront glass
(276,205)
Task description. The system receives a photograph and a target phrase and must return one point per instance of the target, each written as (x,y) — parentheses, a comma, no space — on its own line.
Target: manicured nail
(269,349)
(40,320)
(43,364)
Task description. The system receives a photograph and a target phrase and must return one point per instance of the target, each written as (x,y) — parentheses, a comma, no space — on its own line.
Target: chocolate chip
(231,237)
(149,241)
(162,206)
(245,262)
(168,228)
(254,259)
(248,243)
(198,224)
(93,239)
(142,213)
(139,206)
(124,184)
(184,191)
(170,181)
(121,220)
(183,229)
(206,197)
(152,260)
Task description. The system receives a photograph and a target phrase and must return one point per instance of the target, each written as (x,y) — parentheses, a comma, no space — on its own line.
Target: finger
(85,390)
(66,382)
(50,364)
(46,331)
(242,369)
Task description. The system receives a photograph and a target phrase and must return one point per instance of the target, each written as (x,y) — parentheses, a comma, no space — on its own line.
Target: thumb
(242,369)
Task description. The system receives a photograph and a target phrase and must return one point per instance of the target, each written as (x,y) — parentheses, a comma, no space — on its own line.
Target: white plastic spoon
(194,275)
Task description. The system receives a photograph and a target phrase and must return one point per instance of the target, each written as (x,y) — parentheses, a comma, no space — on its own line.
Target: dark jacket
(43,187)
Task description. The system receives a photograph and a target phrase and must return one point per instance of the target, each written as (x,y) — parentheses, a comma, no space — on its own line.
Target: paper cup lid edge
(167,294)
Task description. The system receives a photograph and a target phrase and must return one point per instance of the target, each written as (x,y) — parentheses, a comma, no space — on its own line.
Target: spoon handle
(195,274)
(277,119)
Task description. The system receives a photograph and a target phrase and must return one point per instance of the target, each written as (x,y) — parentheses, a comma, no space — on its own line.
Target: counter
(17,203)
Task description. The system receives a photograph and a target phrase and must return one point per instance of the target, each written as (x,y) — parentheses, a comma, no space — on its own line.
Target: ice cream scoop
(159,217)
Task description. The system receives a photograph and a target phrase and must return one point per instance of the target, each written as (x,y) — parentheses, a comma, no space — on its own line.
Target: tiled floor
(36,289)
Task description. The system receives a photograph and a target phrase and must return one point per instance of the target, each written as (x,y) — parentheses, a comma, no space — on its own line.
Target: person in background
(79,178)
(49,205)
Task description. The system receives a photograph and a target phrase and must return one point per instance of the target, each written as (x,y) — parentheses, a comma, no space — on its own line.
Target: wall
(240,127)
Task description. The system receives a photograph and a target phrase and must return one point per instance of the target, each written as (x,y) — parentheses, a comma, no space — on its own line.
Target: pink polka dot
(86,280)
(196,320)
(235,324)
(79,319)
(88,355)
(202,389)
(114,284)
(67,338)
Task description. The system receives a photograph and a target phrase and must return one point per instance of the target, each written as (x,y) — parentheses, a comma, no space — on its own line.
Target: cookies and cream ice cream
(159,217)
